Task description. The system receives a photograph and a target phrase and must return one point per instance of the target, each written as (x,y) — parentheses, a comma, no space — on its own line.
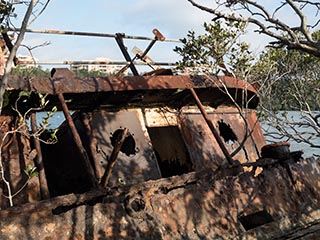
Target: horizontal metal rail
(92,34)
(101,62)
(121,63)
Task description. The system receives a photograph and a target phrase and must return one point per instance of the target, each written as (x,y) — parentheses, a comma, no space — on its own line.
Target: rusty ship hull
(192,166)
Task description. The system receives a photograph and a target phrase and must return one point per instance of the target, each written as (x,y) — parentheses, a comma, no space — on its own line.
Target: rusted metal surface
(89,132)
(207,88)
(211,126)
(138,163)
(203,146)
(208,207)
(113,157)
(71,84)
(16,156)
(164,90)
(134,166)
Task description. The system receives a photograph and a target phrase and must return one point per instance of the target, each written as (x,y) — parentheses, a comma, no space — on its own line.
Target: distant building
(103,65)
(24,61)
(27,61)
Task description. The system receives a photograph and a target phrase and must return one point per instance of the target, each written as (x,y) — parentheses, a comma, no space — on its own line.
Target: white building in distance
(27,61)
(103,65)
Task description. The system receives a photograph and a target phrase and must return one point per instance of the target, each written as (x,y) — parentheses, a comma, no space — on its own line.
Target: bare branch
(293,38)
(303,20)
(41,11)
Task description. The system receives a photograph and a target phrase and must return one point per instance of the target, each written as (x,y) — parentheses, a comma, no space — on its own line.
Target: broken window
(171,151)
(226,132)
(255,219)
(129,144)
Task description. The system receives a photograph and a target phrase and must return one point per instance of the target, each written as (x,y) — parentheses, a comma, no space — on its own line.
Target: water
(54,121)
(300,123)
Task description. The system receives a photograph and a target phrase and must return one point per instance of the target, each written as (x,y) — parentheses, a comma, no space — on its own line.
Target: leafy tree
(85,73)
(289,80)
(218,49)
(30,71)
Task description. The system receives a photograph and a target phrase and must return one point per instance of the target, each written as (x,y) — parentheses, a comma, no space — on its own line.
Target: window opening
(129,144)
(255,219)
(170,150)
(54,121)
(226,132)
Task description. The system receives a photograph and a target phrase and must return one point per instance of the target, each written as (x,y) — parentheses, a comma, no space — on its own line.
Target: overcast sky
(133,17)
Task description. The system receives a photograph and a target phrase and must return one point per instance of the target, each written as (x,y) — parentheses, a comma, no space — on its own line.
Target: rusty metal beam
(131,64)
(107,63)
(91,34)
(211,126)
(119,40)
(92,142)
(64,81)
(83,153)
(45,194)
(158,36)
(113,158)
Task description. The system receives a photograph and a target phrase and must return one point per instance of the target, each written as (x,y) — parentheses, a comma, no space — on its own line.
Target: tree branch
(9,63)
(268,24)
(303,20)
(41,11)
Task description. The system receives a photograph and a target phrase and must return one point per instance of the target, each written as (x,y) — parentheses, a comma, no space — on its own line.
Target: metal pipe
(45,194)
(119,39)
(86,119)
(83,153)
(113,158)
(211,126)
(116,63)
(92,34)
(100,63)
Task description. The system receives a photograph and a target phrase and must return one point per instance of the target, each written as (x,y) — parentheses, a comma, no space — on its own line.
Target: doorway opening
(171,152)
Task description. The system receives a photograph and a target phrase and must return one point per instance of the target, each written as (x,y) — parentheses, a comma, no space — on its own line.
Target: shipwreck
(153,156)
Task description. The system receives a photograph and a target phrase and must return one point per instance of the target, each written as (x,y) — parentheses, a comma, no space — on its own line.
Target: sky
(173,18)
(132,17)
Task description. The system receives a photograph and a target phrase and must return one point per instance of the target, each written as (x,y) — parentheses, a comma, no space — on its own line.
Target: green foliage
(6,99)
(45,120)
(81,73)
(218,47)
(31,171)
(289,80)
(30,71)
(24,94)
